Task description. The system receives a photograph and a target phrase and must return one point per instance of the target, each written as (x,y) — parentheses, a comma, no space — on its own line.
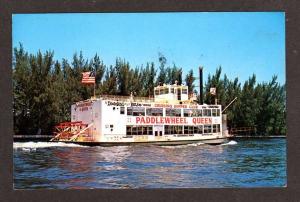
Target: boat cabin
(171,93)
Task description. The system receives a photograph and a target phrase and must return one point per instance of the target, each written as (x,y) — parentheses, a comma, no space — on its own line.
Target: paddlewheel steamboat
(171,117)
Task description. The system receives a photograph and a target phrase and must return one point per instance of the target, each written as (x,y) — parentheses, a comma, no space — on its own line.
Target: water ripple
(243,163)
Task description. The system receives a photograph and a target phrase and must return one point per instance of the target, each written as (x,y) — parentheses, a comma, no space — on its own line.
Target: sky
(242,43)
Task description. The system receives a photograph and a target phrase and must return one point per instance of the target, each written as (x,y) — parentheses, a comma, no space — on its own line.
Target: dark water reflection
(247,163)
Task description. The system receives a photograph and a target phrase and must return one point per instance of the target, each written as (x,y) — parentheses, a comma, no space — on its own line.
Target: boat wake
(27,146)
(231,142)
(184,146)
(32,146)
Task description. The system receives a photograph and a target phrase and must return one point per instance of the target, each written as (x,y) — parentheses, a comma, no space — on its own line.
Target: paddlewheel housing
(73,131)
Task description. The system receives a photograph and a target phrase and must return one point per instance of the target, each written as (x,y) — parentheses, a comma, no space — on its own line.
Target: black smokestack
(201,84)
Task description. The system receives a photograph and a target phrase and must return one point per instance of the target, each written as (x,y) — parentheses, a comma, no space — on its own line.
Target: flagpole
(94,89)
(95,84)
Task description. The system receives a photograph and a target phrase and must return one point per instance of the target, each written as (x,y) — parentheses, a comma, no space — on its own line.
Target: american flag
(88,78)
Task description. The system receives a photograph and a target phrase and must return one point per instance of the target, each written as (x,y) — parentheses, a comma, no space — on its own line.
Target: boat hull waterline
(217,141)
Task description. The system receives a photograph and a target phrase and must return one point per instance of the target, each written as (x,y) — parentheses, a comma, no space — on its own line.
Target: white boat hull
(216,141)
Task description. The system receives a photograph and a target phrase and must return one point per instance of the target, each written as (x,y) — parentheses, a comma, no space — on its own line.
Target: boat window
(128,130)
(178,130)
(129,110)
(145,130)
(207,129)
(122,110)
(188,130)
(166,90)
(156,92)
(134,130)
(184,91)
(191,129)
(214,112)
(192,112)
(139,130)
(216,128)
(150,130)
(187,112)
(170,129)
(172,90)
(206,112)
(167,130)
(136,111)
(173,112)
(154,111)
(198,129)
(199,111)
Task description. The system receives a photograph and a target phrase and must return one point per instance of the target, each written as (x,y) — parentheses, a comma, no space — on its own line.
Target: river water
(239,163)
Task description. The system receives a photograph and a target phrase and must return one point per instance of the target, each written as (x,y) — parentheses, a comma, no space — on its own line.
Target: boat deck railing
(126,98)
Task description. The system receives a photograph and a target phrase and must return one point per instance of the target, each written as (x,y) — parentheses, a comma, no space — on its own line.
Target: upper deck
(164,94)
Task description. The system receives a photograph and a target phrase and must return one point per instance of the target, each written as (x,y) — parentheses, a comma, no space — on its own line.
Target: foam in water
(183,146)
(33,145)
(231,142)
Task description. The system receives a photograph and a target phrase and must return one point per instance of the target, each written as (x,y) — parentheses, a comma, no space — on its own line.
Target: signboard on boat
(146,120)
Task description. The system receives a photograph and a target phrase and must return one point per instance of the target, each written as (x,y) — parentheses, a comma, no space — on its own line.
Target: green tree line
(44,90)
